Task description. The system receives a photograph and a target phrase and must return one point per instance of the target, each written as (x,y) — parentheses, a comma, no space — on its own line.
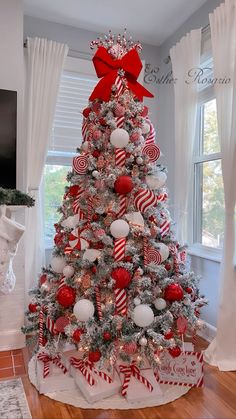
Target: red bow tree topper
(107,69)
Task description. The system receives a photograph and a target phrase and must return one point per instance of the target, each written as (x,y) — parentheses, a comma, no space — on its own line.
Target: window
(77,82)
(208,199)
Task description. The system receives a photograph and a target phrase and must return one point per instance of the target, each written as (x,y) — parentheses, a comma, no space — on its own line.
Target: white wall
(209,270)
(12,78)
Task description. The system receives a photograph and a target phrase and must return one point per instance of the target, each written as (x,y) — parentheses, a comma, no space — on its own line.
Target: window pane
(54,185)
(212,199)
(210,133)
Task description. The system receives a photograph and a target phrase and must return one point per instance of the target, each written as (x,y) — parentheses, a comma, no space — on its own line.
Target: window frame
(196,248)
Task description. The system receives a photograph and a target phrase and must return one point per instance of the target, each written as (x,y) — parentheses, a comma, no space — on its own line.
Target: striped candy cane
(40,340)
(120,156)
(84,129)
(145,251)
(98,302)
(119,249)
(123,205)
(120,121)
(90,208)
(173,252)
(119,85)
(151,135)
(121,301)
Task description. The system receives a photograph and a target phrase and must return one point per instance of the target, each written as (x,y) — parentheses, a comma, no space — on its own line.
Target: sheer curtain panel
(45,61)
(185,56)
(222,351)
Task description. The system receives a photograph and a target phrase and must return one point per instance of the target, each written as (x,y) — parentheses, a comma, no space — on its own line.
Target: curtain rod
(205,29)
(71,53)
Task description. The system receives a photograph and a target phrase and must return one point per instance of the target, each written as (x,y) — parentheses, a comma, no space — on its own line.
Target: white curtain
(222,351)
(45,61)
(185,57)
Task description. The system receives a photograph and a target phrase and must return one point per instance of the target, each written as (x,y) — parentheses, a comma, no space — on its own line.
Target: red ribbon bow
(85,367)
(46,359)
(132,370)
(107,68)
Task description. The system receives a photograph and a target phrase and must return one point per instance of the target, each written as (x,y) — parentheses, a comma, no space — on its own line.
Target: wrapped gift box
(134,388)
(56,380)
(92,386)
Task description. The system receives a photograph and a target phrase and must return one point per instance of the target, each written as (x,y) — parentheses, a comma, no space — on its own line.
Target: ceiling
(150,21)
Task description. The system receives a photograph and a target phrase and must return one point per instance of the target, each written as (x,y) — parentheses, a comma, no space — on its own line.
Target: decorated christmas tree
(117,286)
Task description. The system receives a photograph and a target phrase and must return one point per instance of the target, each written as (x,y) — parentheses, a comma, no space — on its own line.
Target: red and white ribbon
(50,325)
(84,129)
(123,205)
(145,199)
(46,359)
(132,371)
(120,157)
(85,367)
(40,340)
(145,249)
(162,197)
(164,228)
(98,302)
(120,121)
(119,249)
(174,254)
(77,210)
(90,209)
(121,301)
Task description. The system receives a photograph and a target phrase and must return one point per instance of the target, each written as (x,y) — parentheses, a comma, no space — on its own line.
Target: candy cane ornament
(119,249)
(121,301)
(123,205)
(120,157)
(98,302)
(173,252)
(40,340)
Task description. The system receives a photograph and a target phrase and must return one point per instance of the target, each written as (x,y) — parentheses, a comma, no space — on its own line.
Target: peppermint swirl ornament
(80,164)
(152,151)
(153,256)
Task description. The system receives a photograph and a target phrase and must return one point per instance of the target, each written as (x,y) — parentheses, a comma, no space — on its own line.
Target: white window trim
(196,248)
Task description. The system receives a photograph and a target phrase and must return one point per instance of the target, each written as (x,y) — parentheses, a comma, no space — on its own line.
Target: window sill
(205,252)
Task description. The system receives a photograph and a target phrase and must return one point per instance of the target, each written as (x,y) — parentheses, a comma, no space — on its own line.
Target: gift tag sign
(185,370)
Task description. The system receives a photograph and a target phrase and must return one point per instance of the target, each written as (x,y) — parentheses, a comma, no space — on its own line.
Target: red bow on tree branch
(107,68)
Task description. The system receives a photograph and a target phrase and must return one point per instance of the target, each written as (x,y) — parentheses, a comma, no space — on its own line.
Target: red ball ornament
(86,112)
(189,290)
(65,296)
(94,356)
(95,217)
(130,348)
(94,269)
(103,122)
(122,277)
(58,238)
(43,278)
(77,335)
(96,153)
(33,307)
(175,352)
(174,292)
(107,336)
(128,258)
(123,185)
(168,266)
(73,190)
(61,323)
(169,335)
(152,218)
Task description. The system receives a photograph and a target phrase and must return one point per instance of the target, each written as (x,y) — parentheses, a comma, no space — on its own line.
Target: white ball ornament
(119,229)
(139,160)
(83,310)
(58,263)
(68,271)
(160,303)
(91,255)
(143,315)
(119,138)
(137,301)
(145,128)
(142,341)
(163,250)
(95,174)
(156,181)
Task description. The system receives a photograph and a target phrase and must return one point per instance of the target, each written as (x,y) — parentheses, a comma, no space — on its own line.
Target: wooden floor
(216,400)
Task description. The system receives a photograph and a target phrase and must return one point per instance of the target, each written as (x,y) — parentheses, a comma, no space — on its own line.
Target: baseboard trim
(12,339)
(207,332)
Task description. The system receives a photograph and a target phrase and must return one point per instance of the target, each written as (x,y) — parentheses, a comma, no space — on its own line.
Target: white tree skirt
(75,398)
